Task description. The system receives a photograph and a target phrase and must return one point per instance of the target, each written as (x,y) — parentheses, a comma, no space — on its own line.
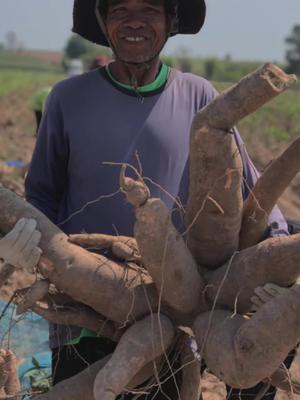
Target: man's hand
(263,294)
(20,246)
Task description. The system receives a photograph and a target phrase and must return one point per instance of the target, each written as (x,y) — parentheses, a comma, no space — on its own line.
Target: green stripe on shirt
(159,81)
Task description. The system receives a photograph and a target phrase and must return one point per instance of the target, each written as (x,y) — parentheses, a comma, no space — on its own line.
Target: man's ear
(172,25)
(169,23)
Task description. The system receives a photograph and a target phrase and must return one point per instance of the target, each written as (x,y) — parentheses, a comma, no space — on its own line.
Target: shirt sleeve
(46,180)
(277,225)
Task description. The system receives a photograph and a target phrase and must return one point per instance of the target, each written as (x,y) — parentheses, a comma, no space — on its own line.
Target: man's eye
(152,11)
(118,10)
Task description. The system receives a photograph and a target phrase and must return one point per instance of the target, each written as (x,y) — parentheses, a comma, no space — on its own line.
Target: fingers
(275,290)
(256,303)
(13,235)
(25,235)
(31,252)
(261,298)
(265,293)
(20,246)
(33,259)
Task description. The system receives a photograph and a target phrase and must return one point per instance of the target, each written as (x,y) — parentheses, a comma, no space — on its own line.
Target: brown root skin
(63,262)
(210,156)
(122,247)
(35,293)
(167,259)
(3,373)
(282,380)
(80,386)
(215,202)
(250,93)
(243,352)
(6,271)
(265,194)
(142,343)
(137,192)
(79,315)
(99,241)
(233,284)
(191,374)
(124,252)
(9,372)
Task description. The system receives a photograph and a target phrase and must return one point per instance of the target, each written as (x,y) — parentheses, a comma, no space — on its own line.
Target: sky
(245,30)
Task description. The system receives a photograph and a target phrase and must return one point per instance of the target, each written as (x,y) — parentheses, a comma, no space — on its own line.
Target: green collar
(159,81)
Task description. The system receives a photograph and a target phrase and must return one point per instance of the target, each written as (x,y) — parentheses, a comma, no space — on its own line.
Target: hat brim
(191,15)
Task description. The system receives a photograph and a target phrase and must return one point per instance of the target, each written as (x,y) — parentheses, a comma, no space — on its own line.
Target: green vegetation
(15,80)
(278,121)
(214,69)
(293,51)
(16,60)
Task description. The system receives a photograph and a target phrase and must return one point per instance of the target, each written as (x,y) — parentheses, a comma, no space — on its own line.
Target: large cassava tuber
(142,343)
(215,200)
(234,282)
(214,209)
(176,280)
(167,259)
(241,350)
(267,191)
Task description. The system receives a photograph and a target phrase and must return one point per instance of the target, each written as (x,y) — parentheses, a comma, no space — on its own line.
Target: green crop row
(14,80)
(14,60)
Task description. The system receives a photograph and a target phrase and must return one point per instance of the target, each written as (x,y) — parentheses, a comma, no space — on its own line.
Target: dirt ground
(17,142)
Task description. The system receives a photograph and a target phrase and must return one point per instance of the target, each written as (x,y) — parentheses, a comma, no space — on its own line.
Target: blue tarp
(27,336)
(15,163)
(27,333)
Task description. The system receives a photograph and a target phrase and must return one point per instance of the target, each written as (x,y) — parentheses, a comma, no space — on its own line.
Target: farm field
(16,117)
(266,134)
(31,60)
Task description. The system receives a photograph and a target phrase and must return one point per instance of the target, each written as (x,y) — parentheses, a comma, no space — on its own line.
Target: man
(138,111)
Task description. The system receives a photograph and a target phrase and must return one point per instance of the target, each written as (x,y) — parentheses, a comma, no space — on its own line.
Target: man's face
(137,29)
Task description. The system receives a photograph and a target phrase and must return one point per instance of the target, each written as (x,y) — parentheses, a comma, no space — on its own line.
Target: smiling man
(135,105)
(137,32)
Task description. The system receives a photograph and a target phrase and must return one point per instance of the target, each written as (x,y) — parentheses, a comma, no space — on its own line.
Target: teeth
(134,39)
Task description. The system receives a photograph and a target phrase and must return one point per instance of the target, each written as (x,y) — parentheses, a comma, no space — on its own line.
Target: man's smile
(134,38)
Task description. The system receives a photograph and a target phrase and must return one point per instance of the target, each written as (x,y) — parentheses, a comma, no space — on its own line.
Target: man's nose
(135,21)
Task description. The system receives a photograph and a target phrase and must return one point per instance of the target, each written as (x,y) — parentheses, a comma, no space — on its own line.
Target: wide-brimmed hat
(191,16)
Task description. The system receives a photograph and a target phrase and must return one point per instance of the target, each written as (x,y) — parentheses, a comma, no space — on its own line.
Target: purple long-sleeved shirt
(89,121)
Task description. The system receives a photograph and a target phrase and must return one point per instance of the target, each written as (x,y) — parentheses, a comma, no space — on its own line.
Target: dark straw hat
(191,16)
